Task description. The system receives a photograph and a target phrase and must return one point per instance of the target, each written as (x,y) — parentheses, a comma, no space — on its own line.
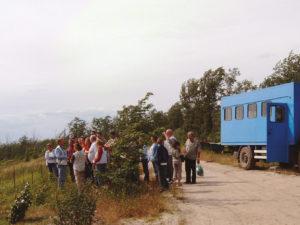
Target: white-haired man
(168,144)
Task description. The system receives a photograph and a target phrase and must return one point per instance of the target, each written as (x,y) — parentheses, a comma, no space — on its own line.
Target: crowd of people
(82,158)
(167,157)
(86,156)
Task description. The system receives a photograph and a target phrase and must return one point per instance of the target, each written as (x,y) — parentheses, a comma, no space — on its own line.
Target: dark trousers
(71,171)
(190,169)
(170,168)
(101,169)
(53,169)
(145,169)
(155,167)
(162,174)
(89,173)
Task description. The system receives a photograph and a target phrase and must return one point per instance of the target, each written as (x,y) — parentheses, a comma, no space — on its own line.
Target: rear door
(277,132)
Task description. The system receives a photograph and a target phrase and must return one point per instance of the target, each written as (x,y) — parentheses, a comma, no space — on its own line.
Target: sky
(88,58)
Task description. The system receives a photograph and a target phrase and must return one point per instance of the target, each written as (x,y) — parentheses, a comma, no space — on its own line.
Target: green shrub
(41,195)
(75,208)
(20,205)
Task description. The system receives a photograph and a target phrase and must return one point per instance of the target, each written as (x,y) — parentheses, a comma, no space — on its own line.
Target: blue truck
(263,125)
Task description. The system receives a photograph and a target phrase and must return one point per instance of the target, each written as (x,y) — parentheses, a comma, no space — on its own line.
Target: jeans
(190,168)
(162,174)
(62,170)
(145,169)
(53,169)
(170,168)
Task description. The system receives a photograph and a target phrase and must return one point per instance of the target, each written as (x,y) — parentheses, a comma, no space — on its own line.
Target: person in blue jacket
(153,155)
(62,162)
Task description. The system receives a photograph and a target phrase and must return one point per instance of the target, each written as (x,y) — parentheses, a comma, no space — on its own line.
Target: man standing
(70,152)
(61,157)
(169,143)
(91,156)
(162,160)
(192,153)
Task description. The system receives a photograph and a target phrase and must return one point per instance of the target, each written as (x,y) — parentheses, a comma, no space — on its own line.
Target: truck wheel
(246,158)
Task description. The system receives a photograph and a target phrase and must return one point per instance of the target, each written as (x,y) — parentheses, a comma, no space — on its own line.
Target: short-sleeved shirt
(79,161)
(192,149)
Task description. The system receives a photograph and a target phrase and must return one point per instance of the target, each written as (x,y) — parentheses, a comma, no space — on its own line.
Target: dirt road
(228,195)
(232,196)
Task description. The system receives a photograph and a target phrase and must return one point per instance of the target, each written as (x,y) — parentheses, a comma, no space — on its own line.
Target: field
(14,174)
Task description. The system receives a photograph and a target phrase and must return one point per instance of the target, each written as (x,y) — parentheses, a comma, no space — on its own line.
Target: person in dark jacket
(162,161)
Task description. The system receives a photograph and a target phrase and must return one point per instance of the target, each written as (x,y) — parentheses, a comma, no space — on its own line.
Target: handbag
(200,171)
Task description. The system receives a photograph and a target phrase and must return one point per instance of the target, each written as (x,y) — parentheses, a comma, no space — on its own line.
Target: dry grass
(224,159)
(111,210)
(227,159)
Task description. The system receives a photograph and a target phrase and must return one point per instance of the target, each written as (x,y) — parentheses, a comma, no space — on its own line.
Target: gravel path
(231,196)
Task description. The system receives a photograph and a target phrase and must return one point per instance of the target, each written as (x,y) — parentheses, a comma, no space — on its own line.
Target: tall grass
(149,203)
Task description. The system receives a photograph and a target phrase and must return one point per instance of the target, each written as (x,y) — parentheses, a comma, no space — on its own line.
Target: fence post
(32,177)
(14,178)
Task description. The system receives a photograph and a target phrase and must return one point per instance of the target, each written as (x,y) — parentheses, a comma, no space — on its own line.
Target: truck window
(227,113)
(252,110)
(239,112)
(277,114)
(263,109)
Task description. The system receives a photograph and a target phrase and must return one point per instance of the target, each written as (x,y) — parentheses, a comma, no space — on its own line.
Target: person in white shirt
(62,162)
(90,157)
(78,160)
(51,160)
(168,144)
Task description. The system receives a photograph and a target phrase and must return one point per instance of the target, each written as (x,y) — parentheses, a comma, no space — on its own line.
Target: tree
(175,116)
(285,71)
(103,125)
(77,127)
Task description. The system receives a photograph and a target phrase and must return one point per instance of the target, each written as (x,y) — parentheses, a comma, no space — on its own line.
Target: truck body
(264,121)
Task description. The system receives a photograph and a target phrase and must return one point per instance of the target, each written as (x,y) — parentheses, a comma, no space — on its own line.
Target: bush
(75,208)
(41,195)
(20,205)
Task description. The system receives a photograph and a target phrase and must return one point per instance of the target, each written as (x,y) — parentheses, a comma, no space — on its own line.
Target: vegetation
(198,109)
(75,208)
(20,205)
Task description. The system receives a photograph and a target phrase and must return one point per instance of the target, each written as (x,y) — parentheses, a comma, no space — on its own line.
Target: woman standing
(51,160)
(78,160)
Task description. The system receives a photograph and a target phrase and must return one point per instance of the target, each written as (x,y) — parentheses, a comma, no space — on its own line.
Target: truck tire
(246,158)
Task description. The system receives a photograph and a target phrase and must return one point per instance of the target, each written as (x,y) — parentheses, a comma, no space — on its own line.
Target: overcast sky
(87,58)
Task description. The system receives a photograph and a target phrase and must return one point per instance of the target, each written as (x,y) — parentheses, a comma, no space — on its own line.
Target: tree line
(198,109)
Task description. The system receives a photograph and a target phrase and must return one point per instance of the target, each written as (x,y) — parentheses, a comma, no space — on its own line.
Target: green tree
(77,127)
(175,116)
(285,71)
(103,125)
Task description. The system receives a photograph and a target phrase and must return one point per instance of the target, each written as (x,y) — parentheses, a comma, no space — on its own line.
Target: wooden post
(14,177)
(32,177)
